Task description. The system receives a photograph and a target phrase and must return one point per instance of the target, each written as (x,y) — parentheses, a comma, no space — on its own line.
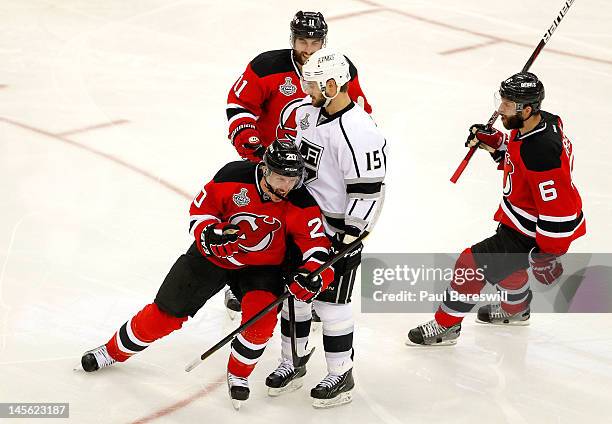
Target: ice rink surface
(112,116)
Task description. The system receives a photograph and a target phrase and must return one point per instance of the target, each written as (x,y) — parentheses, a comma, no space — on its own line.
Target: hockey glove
(304,288)
(221,239)
(247,143)
(353,259)
(489,140)
(545,267)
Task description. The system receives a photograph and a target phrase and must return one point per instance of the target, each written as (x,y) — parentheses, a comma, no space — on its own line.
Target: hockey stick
(298,361)
(341,254)
(532,59)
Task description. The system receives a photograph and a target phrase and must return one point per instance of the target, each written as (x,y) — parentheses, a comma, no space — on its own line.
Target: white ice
(92,220)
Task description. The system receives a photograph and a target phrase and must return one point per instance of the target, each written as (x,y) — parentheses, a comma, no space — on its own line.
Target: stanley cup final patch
(304,124)
(288,88)
(241,199)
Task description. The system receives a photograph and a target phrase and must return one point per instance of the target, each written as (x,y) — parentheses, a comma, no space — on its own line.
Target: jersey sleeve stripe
(369,210)
(231,112)
(558,218)
(559,230)
(364,188)
(241,115)
(311,252)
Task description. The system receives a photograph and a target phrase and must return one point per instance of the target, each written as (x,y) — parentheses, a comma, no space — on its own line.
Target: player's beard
(301,57)
(319,101)
(513,122)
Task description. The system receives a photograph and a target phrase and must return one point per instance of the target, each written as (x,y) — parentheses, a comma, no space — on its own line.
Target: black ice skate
(97,358)
(433,334)
(333,390)
(232,305)
(238,388)
(285,378)
(494,314)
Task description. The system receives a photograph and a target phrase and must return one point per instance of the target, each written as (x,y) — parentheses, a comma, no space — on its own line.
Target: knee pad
(252,303)
(467,278)
(335,317)
(151,323)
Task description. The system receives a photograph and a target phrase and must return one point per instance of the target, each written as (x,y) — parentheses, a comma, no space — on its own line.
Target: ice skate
(232,305)
(97,358)
(494,314)
(285,378)
(238,388)
(333,390)
(433,334)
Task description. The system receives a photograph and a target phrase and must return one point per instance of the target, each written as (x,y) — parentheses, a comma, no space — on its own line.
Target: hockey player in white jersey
(345,156)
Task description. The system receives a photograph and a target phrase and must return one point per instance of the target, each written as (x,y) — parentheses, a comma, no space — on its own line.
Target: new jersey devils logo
(508,171)
(257,231)
(287,127)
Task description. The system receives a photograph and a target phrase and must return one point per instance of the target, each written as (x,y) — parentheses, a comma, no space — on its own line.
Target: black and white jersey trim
(523,220)
(559,226)
(350,148)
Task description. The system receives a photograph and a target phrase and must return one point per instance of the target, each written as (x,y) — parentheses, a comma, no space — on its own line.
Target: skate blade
(408,342)
(341,399)
(293,385)
(505,324)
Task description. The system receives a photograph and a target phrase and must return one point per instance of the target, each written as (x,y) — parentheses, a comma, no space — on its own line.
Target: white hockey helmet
(326,64)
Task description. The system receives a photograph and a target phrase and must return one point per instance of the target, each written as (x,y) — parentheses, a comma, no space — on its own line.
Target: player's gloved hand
(221,239)
(248,145)
(489,140)
(545,266)
(350,234)
(304,288)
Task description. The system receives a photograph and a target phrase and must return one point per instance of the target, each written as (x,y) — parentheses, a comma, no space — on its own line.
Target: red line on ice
(382,8)
(108,156)
(180,404)
(94,127)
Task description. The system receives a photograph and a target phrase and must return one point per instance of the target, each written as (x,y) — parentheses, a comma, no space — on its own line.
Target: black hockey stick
(341,254)
(532,59)
(298,361)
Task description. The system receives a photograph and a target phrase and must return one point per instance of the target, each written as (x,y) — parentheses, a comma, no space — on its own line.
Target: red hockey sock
(516,286)
(468,279)
(248,346)
(148,325)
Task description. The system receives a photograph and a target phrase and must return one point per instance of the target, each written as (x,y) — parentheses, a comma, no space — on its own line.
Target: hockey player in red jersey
(241,222)
(261,103)
(540,214)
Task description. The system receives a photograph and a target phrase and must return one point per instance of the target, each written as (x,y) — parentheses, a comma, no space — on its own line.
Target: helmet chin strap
(271,189)
(328,99)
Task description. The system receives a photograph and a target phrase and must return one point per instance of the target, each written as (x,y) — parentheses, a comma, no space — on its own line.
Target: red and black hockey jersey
(267,94)
(539,197)
(234,195)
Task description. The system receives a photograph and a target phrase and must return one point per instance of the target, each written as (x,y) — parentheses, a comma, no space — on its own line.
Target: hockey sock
(148,325)
(338,327)
(303,318)
(517,292)
(468,279)
(248,346)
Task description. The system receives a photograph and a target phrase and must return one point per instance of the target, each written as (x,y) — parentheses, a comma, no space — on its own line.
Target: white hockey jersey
(346,161)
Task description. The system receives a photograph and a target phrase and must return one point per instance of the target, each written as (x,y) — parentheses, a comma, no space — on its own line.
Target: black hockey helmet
(308,25)
(525,89)
(284,158)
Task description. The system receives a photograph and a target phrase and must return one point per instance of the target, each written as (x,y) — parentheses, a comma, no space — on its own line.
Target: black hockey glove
(304,288)
(221,239)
